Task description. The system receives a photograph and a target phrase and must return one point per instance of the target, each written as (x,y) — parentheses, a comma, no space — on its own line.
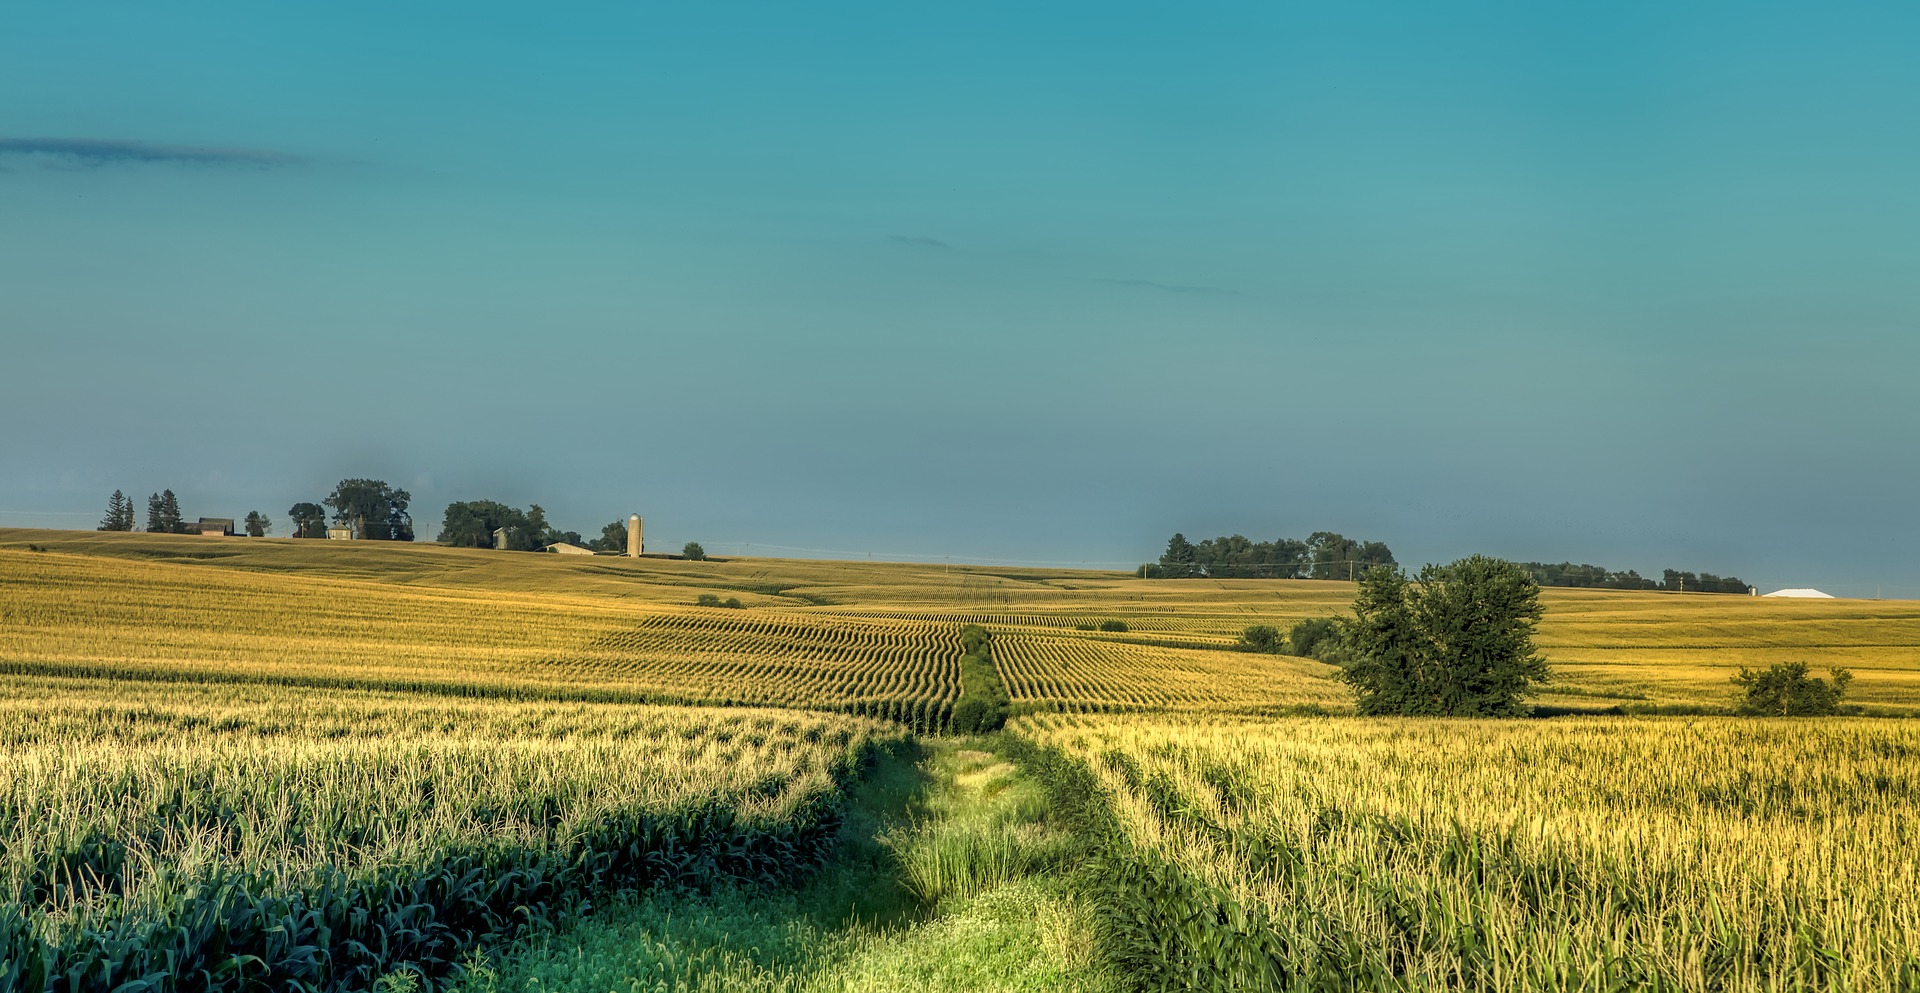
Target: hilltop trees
(1599,577)
(258,524)
(374,509)
(308,520)
(613,538)
(1459,642)
(1323,555)
(693,551)
(119,513)
(471,524)
(163,513)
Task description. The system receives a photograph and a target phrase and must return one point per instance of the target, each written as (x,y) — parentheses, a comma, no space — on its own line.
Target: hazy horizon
(1628,286)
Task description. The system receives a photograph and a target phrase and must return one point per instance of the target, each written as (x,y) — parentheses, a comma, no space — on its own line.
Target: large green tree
(471,524)
(374,509)
(1455,641)
(309,520)
(258,524)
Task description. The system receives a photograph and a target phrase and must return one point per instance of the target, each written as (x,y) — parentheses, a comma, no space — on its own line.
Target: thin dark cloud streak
(120,151)
(917,241)
(1148,284)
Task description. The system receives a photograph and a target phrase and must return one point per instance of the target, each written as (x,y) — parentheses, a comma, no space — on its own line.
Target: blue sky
(1630,284)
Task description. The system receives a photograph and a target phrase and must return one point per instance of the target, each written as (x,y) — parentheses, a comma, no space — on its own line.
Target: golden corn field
(1584,854)
(296,764)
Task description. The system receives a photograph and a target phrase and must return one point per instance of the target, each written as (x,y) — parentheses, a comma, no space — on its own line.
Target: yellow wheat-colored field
(873,637)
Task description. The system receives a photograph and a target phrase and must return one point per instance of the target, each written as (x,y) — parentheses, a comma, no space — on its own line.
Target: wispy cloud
(120,151)
(1148,284)
(917,241)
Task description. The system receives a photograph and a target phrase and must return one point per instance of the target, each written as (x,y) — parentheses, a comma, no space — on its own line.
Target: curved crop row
(249,837)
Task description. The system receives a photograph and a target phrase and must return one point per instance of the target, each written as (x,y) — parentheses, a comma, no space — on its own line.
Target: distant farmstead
(340,532)
(215,526)
(565,548)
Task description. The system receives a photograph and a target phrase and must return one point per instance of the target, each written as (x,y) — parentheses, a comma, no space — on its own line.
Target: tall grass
(989,827)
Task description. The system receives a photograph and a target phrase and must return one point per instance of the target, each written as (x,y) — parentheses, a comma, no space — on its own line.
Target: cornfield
(228,837)
(1586,854)
(852,636)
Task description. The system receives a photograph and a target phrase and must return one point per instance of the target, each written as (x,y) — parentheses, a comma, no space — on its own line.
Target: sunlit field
(858,636)
(272,764)
(1591,854)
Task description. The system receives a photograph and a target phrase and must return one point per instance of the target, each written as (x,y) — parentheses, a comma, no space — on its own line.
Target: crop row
(246,837)
(1572,855)
(1087,674)
(780,658)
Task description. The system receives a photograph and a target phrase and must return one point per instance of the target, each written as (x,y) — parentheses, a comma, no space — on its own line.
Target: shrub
(1261,638)
(707,600)
(1115,626)
(732,603)
(1315,638)
(1787,691)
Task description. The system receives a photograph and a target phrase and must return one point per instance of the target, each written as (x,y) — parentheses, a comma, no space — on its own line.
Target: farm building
(220,526)
(1802,593)
(565,548)
(340,532)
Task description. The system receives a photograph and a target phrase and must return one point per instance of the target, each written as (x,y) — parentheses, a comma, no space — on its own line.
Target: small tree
(1261,638)
(258,524)
(155,517)
(1785,690)
(693,551)
(613,538)
(1460,643)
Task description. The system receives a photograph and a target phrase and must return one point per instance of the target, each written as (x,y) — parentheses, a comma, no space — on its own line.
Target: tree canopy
(1322,555)
(1457,641)
(258,524)
(1585,576)
(613,538)
(1785,690)
(308,520)
(374,509)
(471,524)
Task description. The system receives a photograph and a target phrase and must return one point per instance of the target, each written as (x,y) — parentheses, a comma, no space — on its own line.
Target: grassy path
(950,877)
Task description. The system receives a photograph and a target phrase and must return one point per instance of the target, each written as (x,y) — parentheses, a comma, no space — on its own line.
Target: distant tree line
(1323,555)
(164,516)
(1567,574)
(472,523)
